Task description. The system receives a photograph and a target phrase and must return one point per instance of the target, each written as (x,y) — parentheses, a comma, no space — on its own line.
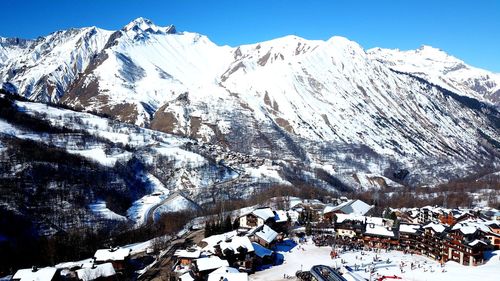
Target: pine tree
(228,226)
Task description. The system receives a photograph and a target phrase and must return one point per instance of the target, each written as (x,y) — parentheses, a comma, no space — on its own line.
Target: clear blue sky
(469,29)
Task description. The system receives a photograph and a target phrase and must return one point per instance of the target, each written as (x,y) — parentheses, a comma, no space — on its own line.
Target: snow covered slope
(42,70)
(309,103)
(143,165)
(444,70)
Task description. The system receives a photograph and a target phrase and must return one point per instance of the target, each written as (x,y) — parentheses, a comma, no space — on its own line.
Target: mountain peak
(141,24)
(430,51)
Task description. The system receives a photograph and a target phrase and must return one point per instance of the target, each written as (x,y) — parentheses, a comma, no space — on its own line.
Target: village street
(162,269)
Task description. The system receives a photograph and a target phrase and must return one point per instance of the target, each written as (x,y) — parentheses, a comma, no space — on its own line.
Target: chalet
(409,235)
(314,207)
(206,265)
(39,274)
(379,233)
(257,217)
(463,216)
(100,272)
(429,214)
(264,236)
(355,207)
(378,236)
(431,240)
(237,250)
(186,257)
(119,257)
(466,242)
(349,226)
(494,234)
(494,239)
(263,255)
(494,226)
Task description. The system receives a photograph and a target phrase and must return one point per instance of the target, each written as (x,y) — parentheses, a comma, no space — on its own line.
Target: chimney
(34,268)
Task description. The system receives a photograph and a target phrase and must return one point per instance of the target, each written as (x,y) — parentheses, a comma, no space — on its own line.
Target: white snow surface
(41,274)
(100,208)
(305,256)
(88,272)
(444,70)
(118,254)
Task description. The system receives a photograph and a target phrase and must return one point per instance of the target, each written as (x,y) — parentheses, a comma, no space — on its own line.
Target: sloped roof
(349,217)
(188,254)
(477,241)
(264,213)
(471,226)
(209,263)
(92,273)
(409,228)
(42,274)
(357,207)
(439,228)
(236,242)
(280,216)
(216,239)
(111,254)
(379,230)
(261,251)
(267,234)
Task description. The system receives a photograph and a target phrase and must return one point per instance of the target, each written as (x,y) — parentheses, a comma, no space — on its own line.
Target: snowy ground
(101,209)
(306,255)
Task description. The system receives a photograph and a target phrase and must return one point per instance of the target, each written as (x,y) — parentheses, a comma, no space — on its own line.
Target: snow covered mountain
(42,69)
(327,107)
(444,70)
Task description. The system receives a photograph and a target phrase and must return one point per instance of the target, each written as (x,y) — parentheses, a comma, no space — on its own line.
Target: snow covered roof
(264,213)
(379,230)
(98,271)
(236,242)
(228,240)
(216,239)
(209,263)
(439,228)
(188,254)
(42,274)
(475,242)
(227,274)
(375,220)
(409,228)
(350,207)
(111,254)
(493,223)
(267,234)
(281,216)
(468,227)
(349,217)
(261,251)
(329,209)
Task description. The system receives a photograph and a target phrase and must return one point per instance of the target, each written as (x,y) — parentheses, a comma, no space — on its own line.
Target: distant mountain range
(325,108)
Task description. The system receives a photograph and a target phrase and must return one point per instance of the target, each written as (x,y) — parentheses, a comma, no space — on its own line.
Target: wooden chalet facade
(464,247)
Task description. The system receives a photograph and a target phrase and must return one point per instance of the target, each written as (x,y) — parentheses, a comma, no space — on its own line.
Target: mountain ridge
(290,97)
